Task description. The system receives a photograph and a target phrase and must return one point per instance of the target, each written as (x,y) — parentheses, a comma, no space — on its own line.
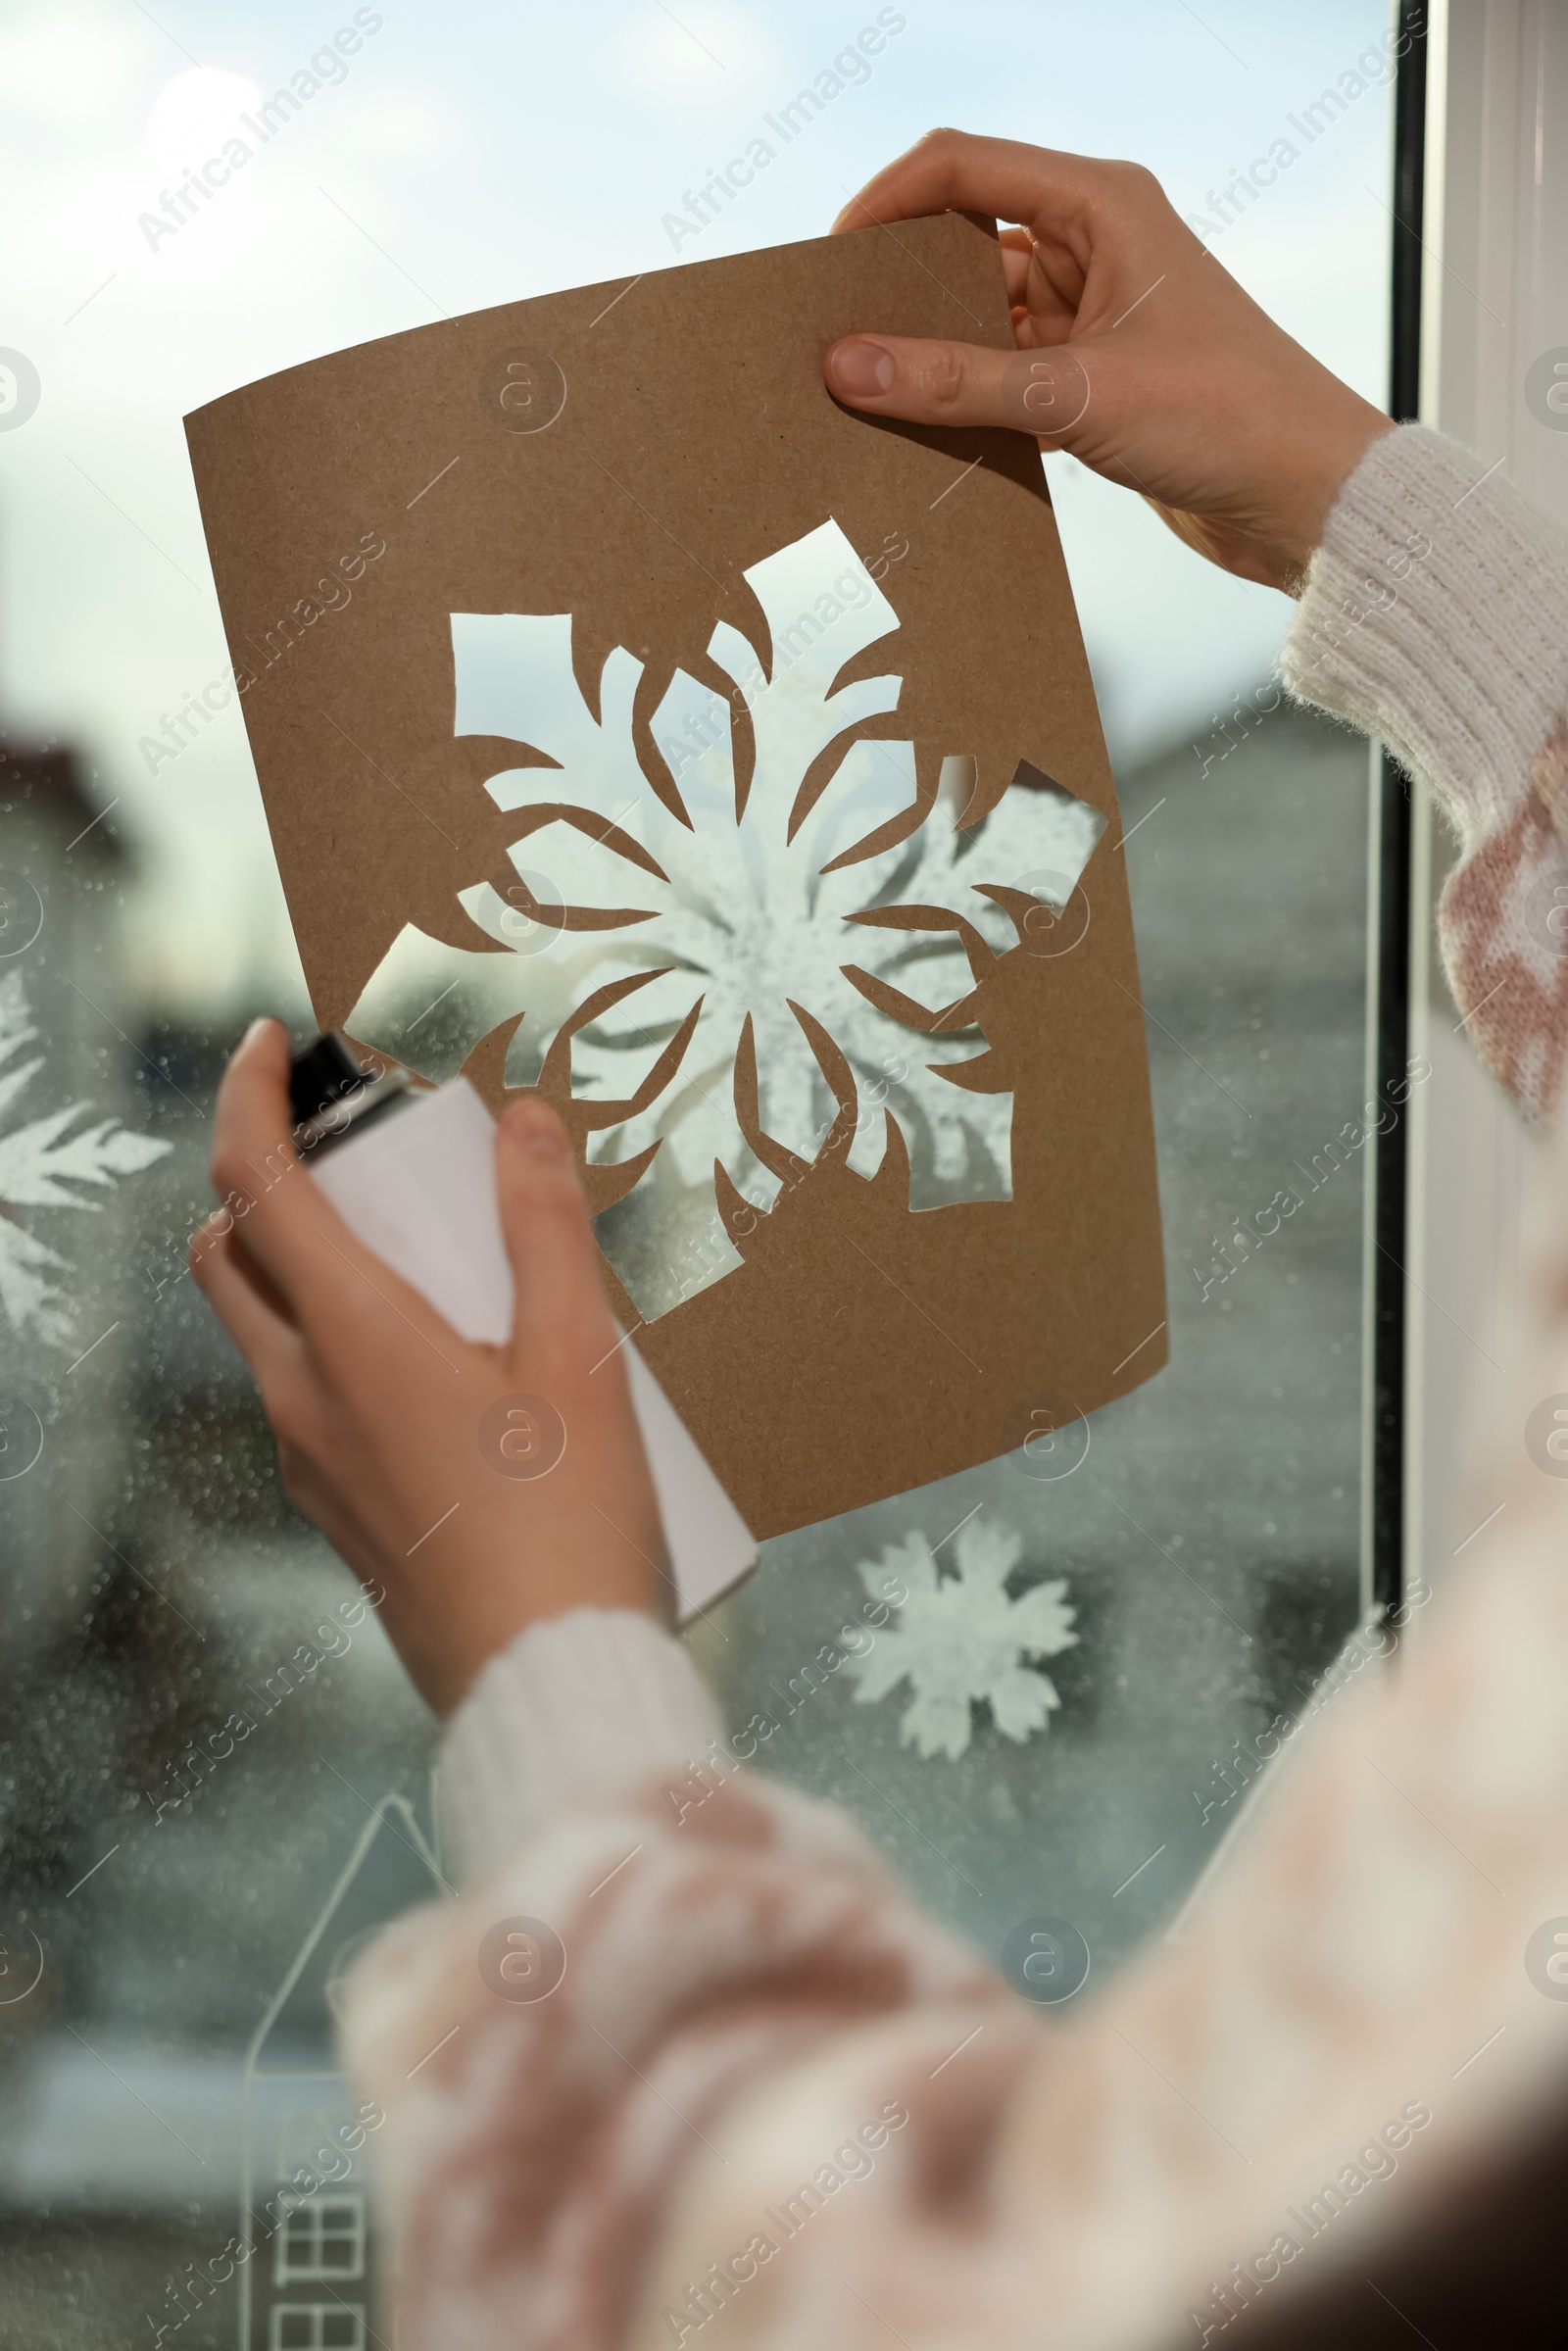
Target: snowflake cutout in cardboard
(960,1638)
(727,973)
(38,1165)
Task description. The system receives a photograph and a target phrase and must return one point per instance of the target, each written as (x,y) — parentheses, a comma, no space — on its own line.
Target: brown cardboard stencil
(636,724)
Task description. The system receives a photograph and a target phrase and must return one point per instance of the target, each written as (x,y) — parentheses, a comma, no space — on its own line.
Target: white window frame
(1495,231)
(318,2313)
(314,2207)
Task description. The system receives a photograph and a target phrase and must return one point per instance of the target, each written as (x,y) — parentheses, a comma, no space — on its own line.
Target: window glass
(215,1781)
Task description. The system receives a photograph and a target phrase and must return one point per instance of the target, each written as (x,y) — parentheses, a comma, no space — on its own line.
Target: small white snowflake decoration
(38,1165)
(960,1637)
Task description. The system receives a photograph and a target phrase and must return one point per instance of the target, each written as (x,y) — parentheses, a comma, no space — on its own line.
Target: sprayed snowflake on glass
(39,1164)
(961,1639)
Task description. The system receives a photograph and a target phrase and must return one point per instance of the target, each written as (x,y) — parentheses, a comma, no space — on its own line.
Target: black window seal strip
(1389,1370)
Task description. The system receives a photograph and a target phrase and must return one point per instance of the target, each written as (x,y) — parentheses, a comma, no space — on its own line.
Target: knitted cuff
(1436,616)
(577,1707)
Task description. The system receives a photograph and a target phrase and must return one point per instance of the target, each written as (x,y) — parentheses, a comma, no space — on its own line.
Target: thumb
(561,1310)
(1043,393)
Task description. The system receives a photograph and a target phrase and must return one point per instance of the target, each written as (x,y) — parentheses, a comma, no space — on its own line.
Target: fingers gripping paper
(636,724)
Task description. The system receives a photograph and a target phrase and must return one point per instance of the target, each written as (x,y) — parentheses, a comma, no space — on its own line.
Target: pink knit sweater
(769,2102)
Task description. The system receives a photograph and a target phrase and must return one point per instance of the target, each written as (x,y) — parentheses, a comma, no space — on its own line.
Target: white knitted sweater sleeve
(1436,616)
(576,1708)
(759,2090)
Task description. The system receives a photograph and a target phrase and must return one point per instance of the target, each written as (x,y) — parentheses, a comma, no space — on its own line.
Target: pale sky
(478,154)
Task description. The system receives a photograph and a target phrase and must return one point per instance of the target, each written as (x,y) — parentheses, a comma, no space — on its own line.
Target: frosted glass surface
(153,1579)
